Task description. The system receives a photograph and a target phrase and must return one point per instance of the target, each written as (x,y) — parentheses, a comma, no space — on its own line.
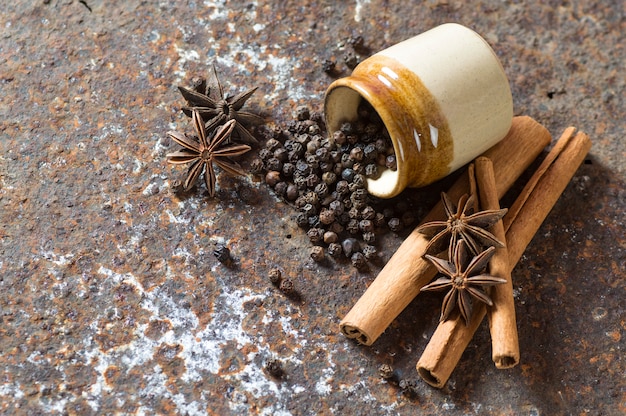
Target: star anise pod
(221,107)
(202,152)
(465,279)
(462,224)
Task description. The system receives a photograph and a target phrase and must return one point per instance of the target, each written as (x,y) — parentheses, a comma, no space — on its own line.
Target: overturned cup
(443,97)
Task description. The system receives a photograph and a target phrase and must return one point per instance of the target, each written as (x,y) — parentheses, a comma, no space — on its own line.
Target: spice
(203,152)
(358,261)
(460,224)
(465,280)
(317,253)
(287,287)
(275,276)
(222,109)
(222,253)
(385,371)
(274,368)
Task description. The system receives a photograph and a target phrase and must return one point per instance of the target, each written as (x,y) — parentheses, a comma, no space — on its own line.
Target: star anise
(465,278)
(202,152)
(462,224)
(221,107)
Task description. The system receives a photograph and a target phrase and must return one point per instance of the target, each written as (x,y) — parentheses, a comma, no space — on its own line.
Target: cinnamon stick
(528,212)
(502,323)
(407,272)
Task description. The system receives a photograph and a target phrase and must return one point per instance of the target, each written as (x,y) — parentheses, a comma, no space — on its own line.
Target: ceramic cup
(443,97)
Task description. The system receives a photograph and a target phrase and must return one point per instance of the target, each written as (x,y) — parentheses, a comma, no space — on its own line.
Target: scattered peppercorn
(274,368)
(385,371)
(358,261)
(317,253)
(334,250)
(222,253)
(286,286)
(395,225)
(275,276)
(325,179)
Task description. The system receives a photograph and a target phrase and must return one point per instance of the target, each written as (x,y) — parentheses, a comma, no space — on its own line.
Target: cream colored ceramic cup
(443,96)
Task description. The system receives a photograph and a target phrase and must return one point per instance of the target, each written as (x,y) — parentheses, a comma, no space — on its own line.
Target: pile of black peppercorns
(324,177)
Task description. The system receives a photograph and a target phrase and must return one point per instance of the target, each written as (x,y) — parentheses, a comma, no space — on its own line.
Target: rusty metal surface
(111,299)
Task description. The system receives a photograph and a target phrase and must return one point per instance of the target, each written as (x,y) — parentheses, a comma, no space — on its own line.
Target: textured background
(111,299)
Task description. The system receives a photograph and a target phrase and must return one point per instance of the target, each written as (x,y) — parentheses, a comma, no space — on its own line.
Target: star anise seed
(203,152)
(221,107)
(465,278)
(462,224)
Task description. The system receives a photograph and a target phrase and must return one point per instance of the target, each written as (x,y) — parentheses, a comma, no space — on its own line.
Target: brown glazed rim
(406,108)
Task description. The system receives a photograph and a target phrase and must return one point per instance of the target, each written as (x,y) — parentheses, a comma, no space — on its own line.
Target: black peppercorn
(385,371)
(342,188)
(311,198)
(371,170)
(288,169)
(366,226)
(303,113)
(281,188)
(292,192)
(336,207)
(369,237)
(312,180)
(381,146)
(257,166)
(330,237)
(358,261)
(334,250)
(353,226)
(390,162)
(358,180)
(395,224)
(303,167)
(368,213)
(351,60)
(302,220)
(287,286)
(275,276)
(222,253)
(327,216)
(317,253)
(356,154)
(347,175)
(316,235)
(321,189)
(272,178)
(272,145)
(281,154)
(329,178)
(370,252)
(408,387)
(370,152)
(359,195)
(339,137)
(314,221)
(274,368)
(379,219)
(350,246)
(310,210)
(265,154)
(328,66)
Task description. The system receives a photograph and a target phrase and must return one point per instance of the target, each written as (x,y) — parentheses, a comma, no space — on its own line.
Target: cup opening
(341,105)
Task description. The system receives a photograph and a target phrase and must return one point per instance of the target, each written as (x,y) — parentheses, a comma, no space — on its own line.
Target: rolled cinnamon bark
(523,220)
(407,272)
(502,323)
